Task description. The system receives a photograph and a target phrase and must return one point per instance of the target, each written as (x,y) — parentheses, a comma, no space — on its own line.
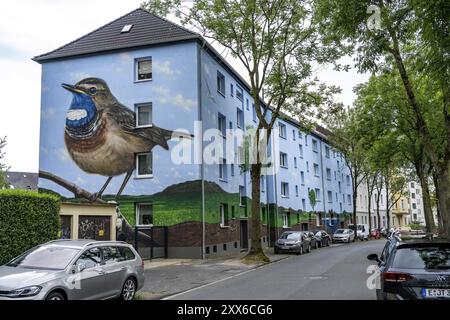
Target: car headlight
(23,292)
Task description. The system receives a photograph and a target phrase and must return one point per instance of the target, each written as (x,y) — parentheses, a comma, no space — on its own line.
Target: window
(413,195)
(293,135)
(144,214)
(317,194)
(327,151)
(286,220)
(282,129)
(349,199)
(263,183)
(300,149)
(304,204)
(339,169)
(335,175)
(247,105)
(240,118)
(306,140)
(307,166)
(316,169)
(223,214)
(223,170)
(144,165)
(232,169)
(222,124)
(299,134)
(255,117)
(295,162)
(241,196)
(328,174)
(339,186)
(412,185)
(143,69)
(111,255)
(239,93)
(330,196)
(347,178)
(231,89)
(296,190)
(220,83)
(283,160)
(126,28)
(302,178)
(143,114)
(314,145)
(415,217)
(126,254)
(284,189)
(90,258)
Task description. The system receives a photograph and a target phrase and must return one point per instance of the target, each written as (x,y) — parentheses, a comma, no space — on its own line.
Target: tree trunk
(256,247)
(369,196)
(388,216)
(438,210)
(355,196)
(443,180)
(427,211)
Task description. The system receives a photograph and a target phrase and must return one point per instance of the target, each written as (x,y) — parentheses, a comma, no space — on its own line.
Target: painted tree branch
(76,190)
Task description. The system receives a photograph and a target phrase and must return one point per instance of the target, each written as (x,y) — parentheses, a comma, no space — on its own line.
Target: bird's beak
(71,88)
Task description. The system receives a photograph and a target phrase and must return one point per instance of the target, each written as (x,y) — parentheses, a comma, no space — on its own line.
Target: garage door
(94,227)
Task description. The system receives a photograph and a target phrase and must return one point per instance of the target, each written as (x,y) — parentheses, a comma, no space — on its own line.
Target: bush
(27,219)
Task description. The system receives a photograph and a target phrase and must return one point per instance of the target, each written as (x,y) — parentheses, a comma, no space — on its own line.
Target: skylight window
(126,28)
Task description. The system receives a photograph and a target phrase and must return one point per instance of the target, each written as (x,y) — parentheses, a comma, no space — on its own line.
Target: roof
(147,29)
(22,180)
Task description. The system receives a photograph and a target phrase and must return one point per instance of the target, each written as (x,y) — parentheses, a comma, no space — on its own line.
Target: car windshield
(339,231)
(433,257)
(290,236)
(45,257)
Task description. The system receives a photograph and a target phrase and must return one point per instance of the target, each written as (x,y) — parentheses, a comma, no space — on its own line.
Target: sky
(32,27)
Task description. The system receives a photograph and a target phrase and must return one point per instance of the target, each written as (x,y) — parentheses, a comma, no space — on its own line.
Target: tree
(3,182)
(346,138)
(278,46)
(390,33)
(312,198)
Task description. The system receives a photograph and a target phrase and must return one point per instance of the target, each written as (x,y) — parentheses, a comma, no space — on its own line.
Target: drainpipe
(202,167)
(323,185)
(275,183)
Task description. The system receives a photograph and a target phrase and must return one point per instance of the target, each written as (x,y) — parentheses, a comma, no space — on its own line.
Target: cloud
(80,181)
(165,68)
(48,113)
(165,96)
(62,154)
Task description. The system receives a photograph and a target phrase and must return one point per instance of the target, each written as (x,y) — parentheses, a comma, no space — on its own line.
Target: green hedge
(27,219)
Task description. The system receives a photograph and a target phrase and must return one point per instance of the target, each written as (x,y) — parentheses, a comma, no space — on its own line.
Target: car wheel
(300,251)
(317,245)
(309,248)
(128,289)
(55,296)
(328,243)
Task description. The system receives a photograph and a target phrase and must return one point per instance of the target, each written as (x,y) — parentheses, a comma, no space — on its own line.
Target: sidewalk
(165,277)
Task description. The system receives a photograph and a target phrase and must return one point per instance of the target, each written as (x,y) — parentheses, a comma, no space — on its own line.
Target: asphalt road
(336,272)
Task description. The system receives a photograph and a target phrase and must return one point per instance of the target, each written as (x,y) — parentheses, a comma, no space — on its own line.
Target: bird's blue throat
(82,115)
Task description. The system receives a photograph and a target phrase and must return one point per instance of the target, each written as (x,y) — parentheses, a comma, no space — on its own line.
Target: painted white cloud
(164,96)
(62,154)
(165,68)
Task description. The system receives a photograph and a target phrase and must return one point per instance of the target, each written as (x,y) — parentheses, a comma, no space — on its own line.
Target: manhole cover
(316,277)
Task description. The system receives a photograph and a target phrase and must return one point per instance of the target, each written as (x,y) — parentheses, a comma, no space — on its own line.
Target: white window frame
(136,69)
(285,220)
(223,170)
(283,160)
(136,111)
(239,118)
(241,195)
(300,150)
(222,208)
(285,188)
(143,176)
(316,170)
(138,214)
(221,77)
(315,145)
(282,130)
(317,192)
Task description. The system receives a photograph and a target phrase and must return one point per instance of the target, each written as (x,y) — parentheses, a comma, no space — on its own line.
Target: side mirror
(373,257)
(81,267)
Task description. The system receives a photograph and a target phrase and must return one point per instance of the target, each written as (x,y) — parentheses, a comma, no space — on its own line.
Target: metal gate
(151,242)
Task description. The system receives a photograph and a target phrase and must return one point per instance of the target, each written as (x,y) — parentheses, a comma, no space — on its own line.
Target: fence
(151,242)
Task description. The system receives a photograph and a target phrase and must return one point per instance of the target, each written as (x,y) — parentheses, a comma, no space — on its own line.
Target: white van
(363,231)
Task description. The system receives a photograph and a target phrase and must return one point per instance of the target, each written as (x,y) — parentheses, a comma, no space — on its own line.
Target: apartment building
(129,111)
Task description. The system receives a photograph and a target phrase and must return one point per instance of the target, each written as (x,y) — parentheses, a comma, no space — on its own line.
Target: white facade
(415,201)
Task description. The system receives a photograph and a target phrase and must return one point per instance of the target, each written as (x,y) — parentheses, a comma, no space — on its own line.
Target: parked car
(293,241)
(322,237)
(416,269)
(73,270)
(375,233)
(362,231)
(313,239)
(343,235)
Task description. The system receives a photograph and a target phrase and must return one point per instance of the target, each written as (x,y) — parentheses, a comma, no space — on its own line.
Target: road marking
(224,279)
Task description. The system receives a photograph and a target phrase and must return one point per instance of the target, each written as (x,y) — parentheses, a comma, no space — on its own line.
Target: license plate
(436,293)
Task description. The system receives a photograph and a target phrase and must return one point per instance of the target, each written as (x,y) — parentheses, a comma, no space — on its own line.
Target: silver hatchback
(73,270)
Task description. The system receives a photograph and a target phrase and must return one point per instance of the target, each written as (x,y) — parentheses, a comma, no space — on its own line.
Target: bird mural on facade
(101,134)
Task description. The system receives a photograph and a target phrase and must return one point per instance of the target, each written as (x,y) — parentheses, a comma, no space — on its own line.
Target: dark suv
(414,269)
